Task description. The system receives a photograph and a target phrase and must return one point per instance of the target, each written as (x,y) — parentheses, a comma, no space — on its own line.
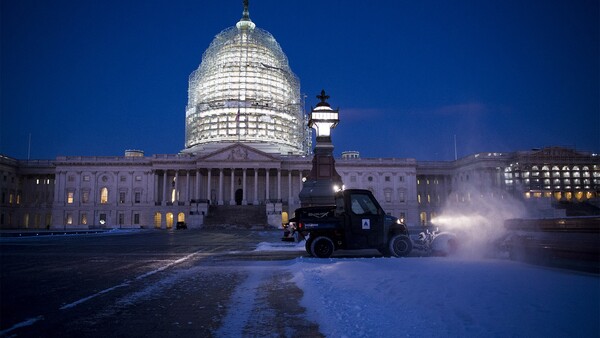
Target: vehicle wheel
(400,246)
(322,247)
(308,244)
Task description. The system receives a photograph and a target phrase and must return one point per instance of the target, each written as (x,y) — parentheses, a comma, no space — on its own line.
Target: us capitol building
(247,151)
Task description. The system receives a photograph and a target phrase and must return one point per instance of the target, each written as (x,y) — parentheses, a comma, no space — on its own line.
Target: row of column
(220,192)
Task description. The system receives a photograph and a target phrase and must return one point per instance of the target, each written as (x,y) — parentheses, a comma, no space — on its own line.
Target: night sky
(93,78)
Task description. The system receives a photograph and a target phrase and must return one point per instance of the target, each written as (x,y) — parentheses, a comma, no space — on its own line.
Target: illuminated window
(169,220)
(157,219)
(181,217)
(83,218)
(70,197)
(423,217)
(557,195)
(104,195)
(10,198)
(69,219)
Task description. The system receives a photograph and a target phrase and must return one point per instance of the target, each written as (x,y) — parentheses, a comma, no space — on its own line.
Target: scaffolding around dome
(245,91)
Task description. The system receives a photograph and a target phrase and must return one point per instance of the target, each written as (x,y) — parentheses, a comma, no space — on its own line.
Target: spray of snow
(479,223)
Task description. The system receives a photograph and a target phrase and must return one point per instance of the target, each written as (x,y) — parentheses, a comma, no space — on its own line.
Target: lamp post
(323,181)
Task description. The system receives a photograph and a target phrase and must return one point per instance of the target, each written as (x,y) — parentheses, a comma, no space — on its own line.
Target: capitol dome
(244,91)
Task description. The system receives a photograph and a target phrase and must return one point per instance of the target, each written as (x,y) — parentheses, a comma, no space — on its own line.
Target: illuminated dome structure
(244,91)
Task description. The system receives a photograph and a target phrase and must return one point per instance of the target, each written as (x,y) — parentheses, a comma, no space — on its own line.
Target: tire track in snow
(242,303)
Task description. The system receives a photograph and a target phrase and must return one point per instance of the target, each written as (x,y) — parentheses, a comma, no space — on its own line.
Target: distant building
(248,144)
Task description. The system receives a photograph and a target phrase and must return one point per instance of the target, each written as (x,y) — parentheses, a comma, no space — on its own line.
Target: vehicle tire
(308,244)
(400,246)
(322,247)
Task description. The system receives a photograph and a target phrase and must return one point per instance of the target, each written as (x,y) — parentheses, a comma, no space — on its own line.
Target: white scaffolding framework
(245,91)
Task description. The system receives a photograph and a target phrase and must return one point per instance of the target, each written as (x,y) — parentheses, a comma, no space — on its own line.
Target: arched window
(181,217)
(104,195)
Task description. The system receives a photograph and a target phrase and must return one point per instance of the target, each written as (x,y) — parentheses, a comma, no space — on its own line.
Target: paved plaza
(149,283)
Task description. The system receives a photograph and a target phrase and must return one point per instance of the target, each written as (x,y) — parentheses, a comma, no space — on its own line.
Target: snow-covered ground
(444,296)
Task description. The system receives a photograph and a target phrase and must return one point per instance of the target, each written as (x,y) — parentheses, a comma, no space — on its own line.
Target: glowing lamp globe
(322,118)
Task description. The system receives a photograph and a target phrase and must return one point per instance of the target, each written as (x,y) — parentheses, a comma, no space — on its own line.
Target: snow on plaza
(443,296)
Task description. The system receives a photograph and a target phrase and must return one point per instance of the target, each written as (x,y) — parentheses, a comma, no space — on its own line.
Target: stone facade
(157,191)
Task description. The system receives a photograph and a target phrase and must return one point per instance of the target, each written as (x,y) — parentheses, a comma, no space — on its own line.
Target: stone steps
(236,216)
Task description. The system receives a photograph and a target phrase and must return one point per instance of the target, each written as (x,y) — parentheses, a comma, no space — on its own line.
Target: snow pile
(387,297)
(283,246)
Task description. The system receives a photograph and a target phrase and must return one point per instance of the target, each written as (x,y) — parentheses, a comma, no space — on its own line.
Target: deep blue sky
(98,77)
